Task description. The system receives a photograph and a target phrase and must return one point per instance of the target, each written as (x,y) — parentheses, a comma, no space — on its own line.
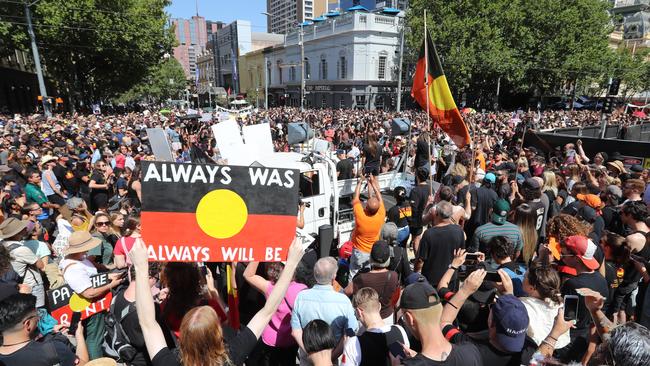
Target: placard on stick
(63,301)
(218,213)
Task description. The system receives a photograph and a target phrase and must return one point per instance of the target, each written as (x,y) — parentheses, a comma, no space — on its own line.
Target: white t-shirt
(23,260)
(352,350)
(77,276)
(542,316)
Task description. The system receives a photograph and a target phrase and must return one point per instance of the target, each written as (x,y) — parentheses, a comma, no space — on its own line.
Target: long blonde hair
(550,183)
(526,219)
(201,339)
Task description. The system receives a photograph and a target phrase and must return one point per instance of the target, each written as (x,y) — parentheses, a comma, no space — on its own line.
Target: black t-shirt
(418,198)
(372,160)
(421,154)
(465,354)
(345,168)
(239,347)
(482,199)
(538,208)
(80,172)
(53,349)
(594,281)
(489,354)
(98,177)
(437,251)
(400,214)
(65,176)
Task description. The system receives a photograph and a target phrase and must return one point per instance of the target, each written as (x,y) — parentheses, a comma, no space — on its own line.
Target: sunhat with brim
(11,227)
(81,241)
(104,361)
(47,158)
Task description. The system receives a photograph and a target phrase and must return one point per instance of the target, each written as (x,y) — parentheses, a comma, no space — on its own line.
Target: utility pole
(37,62)
(302,68)
(266,83)
(401,58)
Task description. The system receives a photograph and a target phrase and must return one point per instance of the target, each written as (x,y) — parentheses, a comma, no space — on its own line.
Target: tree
(94,50)
(163,81)
(532,45)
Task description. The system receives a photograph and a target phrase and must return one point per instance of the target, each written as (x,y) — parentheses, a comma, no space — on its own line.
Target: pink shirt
(128,243)
(278,332)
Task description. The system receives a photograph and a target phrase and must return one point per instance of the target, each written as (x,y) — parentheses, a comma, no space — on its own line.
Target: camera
(306,204)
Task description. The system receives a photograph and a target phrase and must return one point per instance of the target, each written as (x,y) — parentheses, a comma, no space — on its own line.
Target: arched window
(323,67)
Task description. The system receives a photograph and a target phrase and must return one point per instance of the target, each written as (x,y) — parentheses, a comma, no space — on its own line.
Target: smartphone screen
(471,257)
(492,276)
(570,307)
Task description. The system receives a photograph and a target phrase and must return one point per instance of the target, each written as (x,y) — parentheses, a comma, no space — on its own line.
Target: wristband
(452,267)
(553,338)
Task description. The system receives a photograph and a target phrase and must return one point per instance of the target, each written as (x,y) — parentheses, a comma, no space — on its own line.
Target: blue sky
(223,10)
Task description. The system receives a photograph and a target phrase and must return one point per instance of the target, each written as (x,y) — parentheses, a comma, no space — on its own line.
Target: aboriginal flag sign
(218,213)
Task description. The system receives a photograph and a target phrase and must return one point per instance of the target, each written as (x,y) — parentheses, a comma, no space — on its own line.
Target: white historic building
(351,61)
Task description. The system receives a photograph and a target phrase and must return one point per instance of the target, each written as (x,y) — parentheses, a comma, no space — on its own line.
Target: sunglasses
(101,223)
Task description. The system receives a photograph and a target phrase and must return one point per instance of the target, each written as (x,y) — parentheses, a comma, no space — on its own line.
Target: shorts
(403,235)
(374,170)
(622,299)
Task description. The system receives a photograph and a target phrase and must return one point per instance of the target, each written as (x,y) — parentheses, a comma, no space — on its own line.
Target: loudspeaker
(298,132)
(325,238)
(400,127)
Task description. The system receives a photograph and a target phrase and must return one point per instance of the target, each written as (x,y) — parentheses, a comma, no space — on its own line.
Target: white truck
(327,198)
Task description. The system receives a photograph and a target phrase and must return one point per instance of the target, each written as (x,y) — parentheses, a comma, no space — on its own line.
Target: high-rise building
(192,36)
(286,13)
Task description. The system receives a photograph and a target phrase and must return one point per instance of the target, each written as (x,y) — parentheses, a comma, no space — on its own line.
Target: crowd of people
(498,255)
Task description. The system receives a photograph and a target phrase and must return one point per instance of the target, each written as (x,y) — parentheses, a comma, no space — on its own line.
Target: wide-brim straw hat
(81,241)
(11,227)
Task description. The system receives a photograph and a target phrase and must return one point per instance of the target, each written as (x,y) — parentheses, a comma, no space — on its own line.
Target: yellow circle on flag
(221,213)
(78,303)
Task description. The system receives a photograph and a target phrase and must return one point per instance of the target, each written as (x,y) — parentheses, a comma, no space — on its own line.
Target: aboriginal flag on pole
(430,87)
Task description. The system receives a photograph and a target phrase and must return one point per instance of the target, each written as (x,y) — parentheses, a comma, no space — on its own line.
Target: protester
(319,342)
(368,222)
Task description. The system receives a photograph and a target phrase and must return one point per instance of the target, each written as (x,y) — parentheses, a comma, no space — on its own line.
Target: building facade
(633,31)
(252,75)
(373,4)
(351,61)
(192,36)
(286,13)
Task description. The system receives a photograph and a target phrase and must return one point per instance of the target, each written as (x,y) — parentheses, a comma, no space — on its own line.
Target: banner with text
(63,301)
(218,213)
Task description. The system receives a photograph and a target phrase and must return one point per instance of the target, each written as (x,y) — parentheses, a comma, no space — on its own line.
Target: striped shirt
(485,232)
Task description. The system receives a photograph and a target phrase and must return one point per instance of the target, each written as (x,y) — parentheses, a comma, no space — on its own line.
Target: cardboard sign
(63,301)
(258,138)
(159,144)
(229,141)
(218,213)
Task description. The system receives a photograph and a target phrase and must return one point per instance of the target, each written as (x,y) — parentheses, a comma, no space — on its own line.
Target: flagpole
(426,84)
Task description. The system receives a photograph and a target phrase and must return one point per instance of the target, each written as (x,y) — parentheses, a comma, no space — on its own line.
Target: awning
(306,23)
(332,14)
(319,19)
(357,7)
(639,113)
(390,11)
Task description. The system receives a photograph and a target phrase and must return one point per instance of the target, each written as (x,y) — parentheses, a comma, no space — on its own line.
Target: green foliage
(534,46)
(95,49)
(163,81)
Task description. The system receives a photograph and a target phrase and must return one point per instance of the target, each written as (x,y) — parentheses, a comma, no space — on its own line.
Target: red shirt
(128,242)
(174,320)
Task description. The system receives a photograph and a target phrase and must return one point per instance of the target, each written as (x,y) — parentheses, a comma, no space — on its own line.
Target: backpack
(117,344)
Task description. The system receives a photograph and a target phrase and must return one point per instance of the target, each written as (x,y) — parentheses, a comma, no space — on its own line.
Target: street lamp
(37,60)
(301,43)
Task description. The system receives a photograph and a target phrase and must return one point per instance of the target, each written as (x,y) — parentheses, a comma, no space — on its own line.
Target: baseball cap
(380,253)
(419,295)
(590,200)
(490,177)
(345,251)
(511,319)
(615,190)
(340,152)
(531,183)
(500,211)
(584,249)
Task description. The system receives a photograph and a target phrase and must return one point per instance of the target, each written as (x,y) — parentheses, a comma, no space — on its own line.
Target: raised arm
(154,338)
(459,259)
(451,309)
(357,189)
(262,318)
(258,282)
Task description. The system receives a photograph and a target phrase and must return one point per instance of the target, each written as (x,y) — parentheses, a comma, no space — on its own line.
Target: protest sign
(63,301)
(258,138)
(159,144)
(218,213)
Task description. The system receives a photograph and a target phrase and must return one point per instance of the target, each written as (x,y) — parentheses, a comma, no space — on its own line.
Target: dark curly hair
(501,247)
(184,283)
(637,209)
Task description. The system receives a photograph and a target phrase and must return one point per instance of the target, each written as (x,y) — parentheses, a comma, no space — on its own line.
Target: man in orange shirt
(368,222)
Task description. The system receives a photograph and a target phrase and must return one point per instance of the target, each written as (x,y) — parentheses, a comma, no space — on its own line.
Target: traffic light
(607,105)
(613,87)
